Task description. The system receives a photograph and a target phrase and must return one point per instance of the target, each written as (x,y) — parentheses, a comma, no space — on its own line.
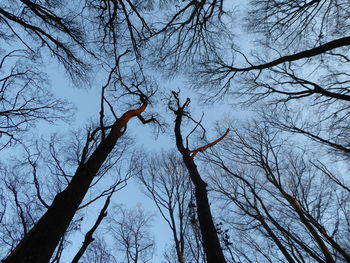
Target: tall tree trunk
(40,242)
(211,243)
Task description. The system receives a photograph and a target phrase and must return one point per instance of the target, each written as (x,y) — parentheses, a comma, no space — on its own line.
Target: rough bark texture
(210,238)
(40,242)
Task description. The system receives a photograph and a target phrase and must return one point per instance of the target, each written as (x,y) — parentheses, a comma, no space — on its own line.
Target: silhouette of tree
(40,242)
(210,238)
(130,230)
(281,202)
(283,199)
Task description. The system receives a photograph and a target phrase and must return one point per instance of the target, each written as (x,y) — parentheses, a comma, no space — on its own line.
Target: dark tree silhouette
(24,97)
(210,238)
(55,26)
(88,239)
(166,181)
(281,194)
(276,179)
(40,242)
(130,230)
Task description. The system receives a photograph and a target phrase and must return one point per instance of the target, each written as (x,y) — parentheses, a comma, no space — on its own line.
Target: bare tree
(278,194)
(130,230)
(210,238)
(299,65)
(65,37)
(46,233)
(24,97)
(55,26)
(166,181)
(88,239)
(303,31)
(290,199)
(191,31)
(98,252)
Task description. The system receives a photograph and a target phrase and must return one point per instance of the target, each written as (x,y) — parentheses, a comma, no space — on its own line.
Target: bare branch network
(273,184)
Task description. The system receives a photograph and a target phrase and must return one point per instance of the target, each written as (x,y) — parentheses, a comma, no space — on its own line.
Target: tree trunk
(211,243)
(40,242)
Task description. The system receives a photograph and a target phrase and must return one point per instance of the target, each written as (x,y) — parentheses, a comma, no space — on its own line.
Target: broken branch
(203,148)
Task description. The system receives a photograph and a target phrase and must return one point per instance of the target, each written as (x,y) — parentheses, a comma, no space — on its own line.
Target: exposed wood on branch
(203,148)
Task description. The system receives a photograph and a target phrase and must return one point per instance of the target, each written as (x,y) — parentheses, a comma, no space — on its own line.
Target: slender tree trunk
(89,235)
(40,242)
(211,243)
(313,232)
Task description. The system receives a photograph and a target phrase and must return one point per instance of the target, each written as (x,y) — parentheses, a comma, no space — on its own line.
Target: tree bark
(211,243)
(40,242)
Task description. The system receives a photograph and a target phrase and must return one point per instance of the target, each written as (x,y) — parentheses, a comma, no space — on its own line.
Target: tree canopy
(268,182)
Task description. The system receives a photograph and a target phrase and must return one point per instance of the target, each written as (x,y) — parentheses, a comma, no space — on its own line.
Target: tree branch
(203,148)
